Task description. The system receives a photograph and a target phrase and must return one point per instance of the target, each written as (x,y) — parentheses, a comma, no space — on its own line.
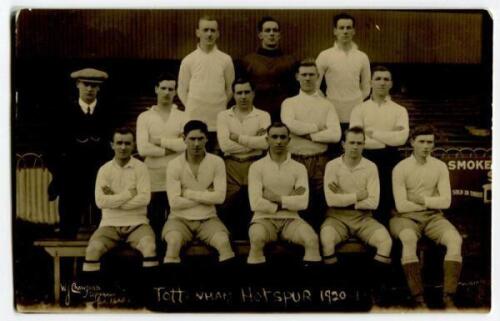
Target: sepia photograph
(251,160)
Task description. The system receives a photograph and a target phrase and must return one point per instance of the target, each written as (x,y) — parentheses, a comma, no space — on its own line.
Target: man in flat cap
(78,146)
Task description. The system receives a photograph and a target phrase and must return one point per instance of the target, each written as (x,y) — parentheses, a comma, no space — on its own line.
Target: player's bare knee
(408,238)
(95,250)
(453,243)
(257,234)
(220,239)
(382,241)
(328,236)
(310,239)
(173,238)
(147,246)
(451,238)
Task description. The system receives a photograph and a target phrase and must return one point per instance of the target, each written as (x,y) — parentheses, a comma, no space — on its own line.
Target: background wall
(386,36)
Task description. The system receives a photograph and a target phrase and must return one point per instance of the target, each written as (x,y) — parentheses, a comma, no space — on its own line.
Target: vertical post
(57,278)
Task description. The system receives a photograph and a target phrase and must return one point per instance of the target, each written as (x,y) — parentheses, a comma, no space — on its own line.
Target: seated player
(123,192)
(352,190)
(421,187)
(196,182)
(278,188)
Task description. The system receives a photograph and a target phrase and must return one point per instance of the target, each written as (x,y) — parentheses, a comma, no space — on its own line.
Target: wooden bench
(59,248)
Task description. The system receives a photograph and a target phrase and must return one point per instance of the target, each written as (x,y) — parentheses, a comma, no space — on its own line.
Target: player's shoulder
(290,101)
(225,56)
(368,163)
(260,112)
(189,56)
(149,112)
(258,165)
(214,159)
(225,113)
(406,162)
(398,106)
(296,166)
(106,166)
(334,162)
(437,162)
(177,161)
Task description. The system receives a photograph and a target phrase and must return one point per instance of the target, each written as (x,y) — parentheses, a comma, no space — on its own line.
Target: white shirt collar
(315,94)
(214,49)
(250,114)
(288,158)
(386,99)
(129,164)
(85,107)
(354,46)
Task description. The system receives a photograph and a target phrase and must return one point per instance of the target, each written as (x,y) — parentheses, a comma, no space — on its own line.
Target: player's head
(422,140)
(195,137)
(278,137)
(123,143)
(353,142)
(381,81)
(207,31)
(269,33)
(343,27)
(307,75)
(244,93)
(165,88)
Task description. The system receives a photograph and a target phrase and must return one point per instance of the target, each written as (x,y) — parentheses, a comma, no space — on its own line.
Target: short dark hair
(343,15)
(380,68)
(165,76)
(424,129)
(207,18)
(278,124)
(242,80)
(307,62)
(354,130)
(195,125)
(265,19)
(123,130)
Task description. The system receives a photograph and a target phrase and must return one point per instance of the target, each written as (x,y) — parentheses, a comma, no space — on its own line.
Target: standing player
(278,188)
(421,186)
(386,127)
(205,77)
(270,69)
(352,191)
(345,68)
(241,133)
(78,147)
(159,140)
(313,124)
(123,192)
(196,182)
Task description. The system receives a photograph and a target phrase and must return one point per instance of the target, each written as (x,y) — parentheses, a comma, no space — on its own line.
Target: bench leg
(57,279)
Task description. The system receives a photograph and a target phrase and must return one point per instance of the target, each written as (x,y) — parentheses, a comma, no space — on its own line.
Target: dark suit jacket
(78,145)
